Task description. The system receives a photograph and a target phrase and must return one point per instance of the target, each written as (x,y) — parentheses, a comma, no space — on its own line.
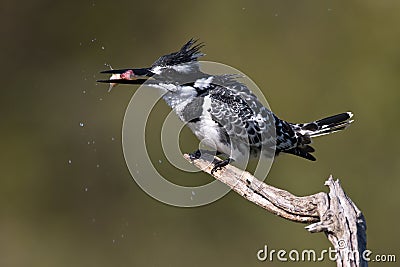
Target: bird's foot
(207,153)
(195,155)
(218,165)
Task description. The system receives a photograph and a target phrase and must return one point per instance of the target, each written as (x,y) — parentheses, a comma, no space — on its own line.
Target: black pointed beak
(127,76)
(139,72)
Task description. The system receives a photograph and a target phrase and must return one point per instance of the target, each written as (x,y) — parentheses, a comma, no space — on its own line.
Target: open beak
(127,76)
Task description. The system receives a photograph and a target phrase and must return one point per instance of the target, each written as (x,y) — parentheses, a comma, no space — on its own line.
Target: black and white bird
(224,113)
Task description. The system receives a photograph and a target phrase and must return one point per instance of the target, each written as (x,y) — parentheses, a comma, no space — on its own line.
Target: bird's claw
(195,155)
(218,165)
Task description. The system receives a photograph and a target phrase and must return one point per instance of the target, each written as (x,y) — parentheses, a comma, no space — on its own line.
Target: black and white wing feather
(246,123)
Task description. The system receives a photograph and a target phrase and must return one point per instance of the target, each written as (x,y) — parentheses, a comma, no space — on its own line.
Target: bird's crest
(188,53)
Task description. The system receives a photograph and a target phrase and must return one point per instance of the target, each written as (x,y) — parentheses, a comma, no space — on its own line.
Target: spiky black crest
(188,53)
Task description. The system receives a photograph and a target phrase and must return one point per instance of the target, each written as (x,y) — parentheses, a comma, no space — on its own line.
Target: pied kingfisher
(224,113)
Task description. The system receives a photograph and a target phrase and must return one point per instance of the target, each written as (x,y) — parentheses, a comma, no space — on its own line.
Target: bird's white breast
(207,130)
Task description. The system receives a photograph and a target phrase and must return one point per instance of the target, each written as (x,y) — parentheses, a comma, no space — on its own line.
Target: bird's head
(171,68)
(182,62)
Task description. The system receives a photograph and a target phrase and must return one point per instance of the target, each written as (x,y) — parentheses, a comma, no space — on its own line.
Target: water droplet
(122,236)
(160,161)
(193,193)
(113,240)
(100,99)
(69,161)
(84,91)
(98,166)
(81,124)
(102,47)
(86,189)
(112,138)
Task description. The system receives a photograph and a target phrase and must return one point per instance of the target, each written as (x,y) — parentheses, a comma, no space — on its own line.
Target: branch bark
(332,213)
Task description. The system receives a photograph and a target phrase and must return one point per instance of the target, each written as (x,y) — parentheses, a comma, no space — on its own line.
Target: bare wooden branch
(332,213)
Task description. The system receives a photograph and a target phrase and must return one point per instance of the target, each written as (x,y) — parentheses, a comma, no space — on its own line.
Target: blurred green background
(66,195)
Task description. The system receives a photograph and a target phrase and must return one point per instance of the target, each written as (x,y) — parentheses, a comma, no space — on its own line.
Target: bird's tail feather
(306,131)
(327,125)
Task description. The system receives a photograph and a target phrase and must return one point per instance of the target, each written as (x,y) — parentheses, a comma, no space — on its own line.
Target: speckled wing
(231,83)
(241,114)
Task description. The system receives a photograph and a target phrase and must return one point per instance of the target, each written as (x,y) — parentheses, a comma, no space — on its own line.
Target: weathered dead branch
(332,213)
